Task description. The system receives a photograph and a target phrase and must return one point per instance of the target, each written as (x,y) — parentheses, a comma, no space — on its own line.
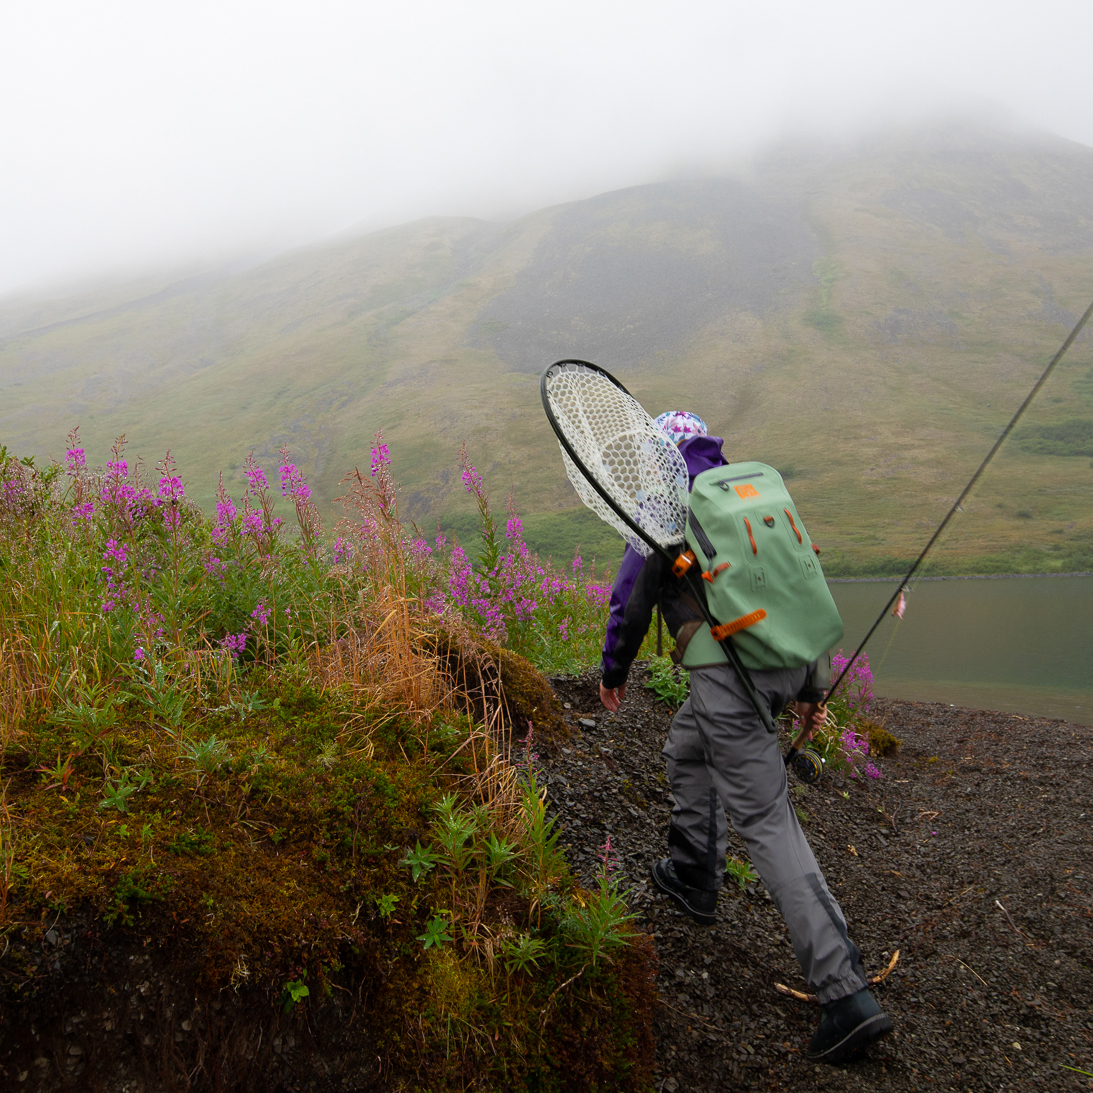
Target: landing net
(618,445)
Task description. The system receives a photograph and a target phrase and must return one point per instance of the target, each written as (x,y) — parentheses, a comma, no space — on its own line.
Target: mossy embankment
(239,913)
(270,816)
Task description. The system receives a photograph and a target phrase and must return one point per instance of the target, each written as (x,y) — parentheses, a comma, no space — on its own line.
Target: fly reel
(808,764)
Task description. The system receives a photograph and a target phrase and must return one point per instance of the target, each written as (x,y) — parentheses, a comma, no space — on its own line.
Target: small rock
(75,1049)
(567,705)
(587,723)
(671,1085)
(187,1025)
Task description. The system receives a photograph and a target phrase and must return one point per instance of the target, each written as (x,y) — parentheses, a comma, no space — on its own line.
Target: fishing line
(967,489)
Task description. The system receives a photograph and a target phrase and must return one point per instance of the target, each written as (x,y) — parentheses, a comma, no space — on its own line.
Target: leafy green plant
(523,952)
(740,871)
(293,992)
(594,921)
(419,861)
(116,794)
(57,776)
(207,756)
(669,682)
(500,854)
(436,932)
(385,904)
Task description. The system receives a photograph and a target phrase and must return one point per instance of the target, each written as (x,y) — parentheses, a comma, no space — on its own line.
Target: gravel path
(972,856)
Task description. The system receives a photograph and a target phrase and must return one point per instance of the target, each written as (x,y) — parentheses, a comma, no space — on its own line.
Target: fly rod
(803,735)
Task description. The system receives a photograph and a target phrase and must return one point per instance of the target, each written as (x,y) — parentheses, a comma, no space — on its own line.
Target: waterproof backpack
(761,572)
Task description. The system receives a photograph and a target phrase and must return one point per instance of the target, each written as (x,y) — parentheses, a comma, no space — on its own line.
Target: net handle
(726,644)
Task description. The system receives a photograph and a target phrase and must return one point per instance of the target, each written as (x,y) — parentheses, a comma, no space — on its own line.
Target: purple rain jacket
(641,582)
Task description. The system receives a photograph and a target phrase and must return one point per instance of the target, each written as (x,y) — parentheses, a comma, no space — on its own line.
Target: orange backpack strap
(725,630)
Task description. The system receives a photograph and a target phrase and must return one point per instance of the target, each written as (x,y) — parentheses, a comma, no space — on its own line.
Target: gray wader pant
(722,759)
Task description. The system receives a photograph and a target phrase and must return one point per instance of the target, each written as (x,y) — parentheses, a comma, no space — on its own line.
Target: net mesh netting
(618,442)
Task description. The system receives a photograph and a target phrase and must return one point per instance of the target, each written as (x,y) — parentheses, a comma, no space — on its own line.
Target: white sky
(156,131)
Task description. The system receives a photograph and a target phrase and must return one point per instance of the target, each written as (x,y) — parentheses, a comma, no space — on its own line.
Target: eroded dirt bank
(972,856)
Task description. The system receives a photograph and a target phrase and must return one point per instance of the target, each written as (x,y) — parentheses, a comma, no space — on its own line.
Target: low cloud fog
(135,133)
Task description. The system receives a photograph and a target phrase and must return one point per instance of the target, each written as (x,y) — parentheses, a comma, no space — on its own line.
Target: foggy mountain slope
(866,316)
(626,278)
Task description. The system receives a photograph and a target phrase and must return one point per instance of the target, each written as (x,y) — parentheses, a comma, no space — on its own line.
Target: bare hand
(811,715)
(612,698)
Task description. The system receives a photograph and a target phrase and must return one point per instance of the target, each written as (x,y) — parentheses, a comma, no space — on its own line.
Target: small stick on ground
(998,904)
(692,1016)
(873,980)
(560,987)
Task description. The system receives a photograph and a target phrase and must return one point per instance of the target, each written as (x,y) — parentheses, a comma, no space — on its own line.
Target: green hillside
(866,318)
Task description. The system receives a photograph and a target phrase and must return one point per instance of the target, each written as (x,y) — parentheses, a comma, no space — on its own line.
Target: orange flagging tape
(723,631)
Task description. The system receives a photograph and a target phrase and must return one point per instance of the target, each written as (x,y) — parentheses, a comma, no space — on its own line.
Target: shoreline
(956,577)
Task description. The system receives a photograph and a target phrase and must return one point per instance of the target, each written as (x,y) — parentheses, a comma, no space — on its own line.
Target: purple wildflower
(256,477)
(293,484)
(233,644)
(381,454)
(343,550)
(261,613)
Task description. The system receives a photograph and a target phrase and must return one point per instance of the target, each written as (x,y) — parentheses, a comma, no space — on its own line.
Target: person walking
(721,760)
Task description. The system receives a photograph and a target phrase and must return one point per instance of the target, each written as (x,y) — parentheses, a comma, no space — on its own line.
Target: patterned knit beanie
(681,425)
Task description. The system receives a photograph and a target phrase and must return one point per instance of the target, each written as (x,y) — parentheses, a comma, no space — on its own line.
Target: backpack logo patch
(746,491)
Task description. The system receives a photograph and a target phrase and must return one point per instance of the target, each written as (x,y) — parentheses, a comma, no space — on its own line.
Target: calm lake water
(1019,644)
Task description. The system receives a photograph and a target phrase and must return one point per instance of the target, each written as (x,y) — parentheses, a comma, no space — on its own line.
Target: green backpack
(765,585)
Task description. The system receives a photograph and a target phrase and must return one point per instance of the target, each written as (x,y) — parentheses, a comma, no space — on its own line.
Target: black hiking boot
(699,904)
(847,1027)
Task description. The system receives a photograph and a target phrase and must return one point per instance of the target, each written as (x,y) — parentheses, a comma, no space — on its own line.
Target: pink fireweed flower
(138,653)
(75,461)
(441,540)
(256,477)
(170,489)
(471,479)
(343,550)
(578,565)
(261,613)
(82,512)
(514,529)
(420,549)
(114,573)
(225,512)
(252,523)
(214,567)
(233,644)
(608,857)
(293,484)
(381,454)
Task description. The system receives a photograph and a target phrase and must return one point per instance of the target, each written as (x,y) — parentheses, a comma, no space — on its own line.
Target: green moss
(881,741)
(280,862)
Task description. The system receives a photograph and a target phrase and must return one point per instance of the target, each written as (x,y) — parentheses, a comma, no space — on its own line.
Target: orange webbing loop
(683,563)
(816,548)
(747,524)
(720,569)
(793,525)
(720,633)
